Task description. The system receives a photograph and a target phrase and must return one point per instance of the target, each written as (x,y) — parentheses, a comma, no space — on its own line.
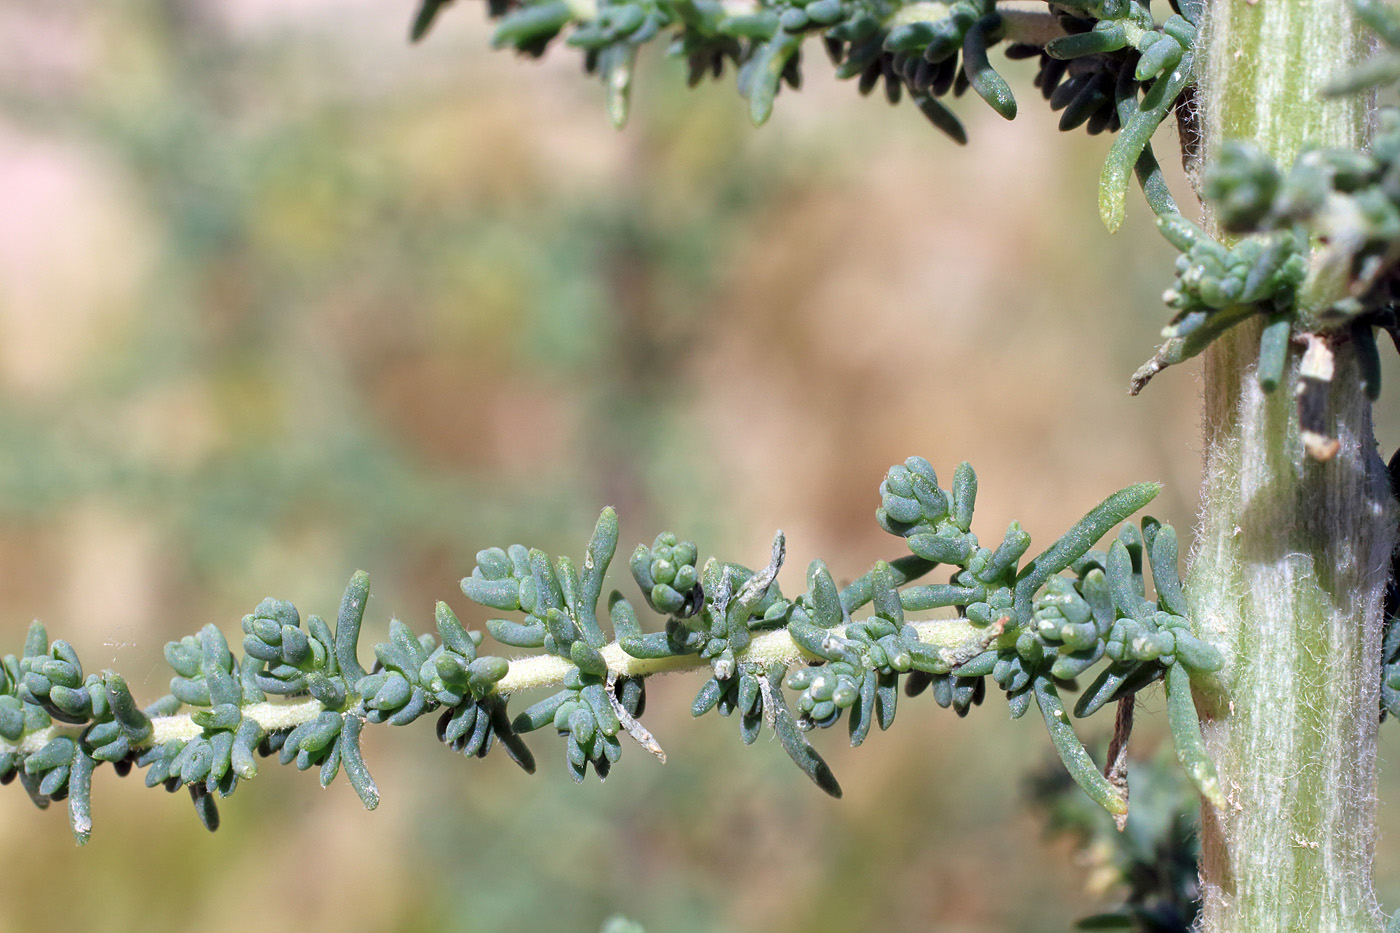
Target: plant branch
(1031,627)
(949,637)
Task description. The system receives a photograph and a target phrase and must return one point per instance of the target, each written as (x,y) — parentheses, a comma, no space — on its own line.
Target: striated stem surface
(1287,581)
(1292,557)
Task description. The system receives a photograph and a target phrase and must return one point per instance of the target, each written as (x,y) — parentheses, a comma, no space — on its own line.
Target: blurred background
(282,296)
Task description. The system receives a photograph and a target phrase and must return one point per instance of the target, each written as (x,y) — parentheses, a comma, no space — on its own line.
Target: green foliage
(1348,200)
(1329,226)
(1217,287)
(1105,63)
(1117,52)
(1027,626)
(1036,626)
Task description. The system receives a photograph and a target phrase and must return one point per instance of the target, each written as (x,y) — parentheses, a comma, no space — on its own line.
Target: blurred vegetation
(281,297)
(1151,863)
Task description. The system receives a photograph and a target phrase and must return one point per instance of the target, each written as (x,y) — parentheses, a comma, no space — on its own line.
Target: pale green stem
(1291,561)
(953,637)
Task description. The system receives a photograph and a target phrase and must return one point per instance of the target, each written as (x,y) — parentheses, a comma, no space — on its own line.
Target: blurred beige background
(282,297)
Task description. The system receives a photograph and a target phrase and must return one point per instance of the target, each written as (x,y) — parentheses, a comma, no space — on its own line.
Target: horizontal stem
(950,636)
(546,670)
(273,717)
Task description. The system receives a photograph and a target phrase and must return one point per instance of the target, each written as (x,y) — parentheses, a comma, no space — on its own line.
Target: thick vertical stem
(1292,557)
(1287,580)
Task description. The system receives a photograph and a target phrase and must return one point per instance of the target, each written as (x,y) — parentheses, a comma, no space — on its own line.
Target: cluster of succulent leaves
(231,722)
(1053,628)
(1219,286)
(1106,64)
(1332,219)
(299,691)
(1348,201)
(1042,630)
